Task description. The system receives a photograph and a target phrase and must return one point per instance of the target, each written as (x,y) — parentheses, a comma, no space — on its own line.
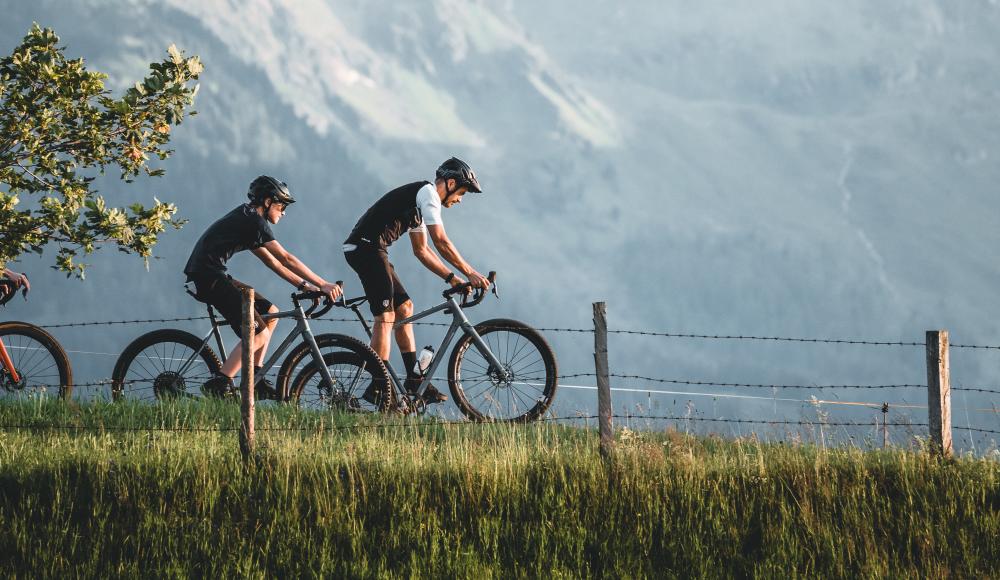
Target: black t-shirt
(394,213)
(241,229)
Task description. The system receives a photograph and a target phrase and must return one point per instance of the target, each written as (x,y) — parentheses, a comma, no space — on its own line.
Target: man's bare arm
(288,260)
(271,262)
(450,253)
(426,256)
(293,266)
(447,249)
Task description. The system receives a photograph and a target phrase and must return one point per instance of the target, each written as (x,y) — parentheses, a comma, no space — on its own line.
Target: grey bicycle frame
(458,320)
(301,328)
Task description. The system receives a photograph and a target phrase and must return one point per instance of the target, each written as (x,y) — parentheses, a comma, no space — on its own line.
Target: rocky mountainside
(769,169)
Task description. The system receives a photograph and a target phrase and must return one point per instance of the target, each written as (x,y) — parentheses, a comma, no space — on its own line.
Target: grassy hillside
(335,496)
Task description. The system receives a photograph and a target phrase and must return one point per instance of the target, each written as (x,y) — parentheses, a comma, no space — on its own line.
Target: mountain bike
(499,370)
(172,363)
(31,361)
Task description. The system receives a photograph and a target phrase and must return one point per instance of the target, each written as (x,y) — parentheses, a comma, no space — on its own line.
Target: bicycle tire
(300,363)
(25,359)
(133,376)
(352,371)
(472,386)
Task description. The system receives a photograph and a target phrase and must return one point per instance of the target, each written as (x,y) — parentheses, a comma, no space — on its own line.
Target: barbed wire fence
(939,410)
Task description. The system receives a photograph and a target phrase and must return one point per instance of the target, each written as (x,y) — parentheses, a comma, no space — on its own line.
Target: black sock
(410,361)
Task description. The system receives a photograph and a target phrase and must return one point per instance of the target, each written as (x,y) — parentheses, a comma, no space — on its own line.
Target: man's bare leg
(234,362)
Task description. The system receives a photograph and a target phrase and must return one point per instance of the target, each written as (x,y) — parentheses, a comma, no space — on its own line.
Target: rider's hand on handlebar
(333,291)
(19,280)
(478,280)
(456,281)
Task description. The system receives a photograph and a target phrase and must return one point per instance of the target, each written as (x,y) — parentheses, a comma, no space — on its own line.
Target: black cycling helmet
(267,187)
(460,171)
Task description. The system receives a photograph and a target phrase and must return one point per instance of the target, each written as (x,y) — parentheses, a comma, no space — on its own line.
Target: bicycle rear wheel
(163,364)
(354,379)
(360,382)
(532,375)
(39,361)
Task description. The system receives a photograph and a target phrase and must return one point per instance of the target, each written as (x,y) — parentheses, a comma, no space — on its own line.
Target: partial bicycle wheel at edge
(163,364)
(40,362)
(528,390)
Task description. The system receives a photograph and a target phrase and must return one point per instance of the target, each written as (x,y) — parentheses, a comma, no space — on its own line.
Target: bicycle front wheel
(40,363)
(483,394)
(163,364)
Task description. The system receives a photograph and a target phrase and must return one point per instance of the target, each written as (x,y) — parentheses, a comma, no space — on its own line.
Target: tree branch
(35,177)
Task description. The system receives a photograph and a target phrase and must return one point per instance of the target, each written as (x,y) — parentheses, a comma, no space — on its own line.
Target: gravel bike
(31,361)
(499,370)
(171,363)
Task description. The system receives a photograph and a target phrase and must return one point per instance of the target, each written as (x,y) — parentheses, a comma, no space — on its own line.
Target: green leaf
(70,129)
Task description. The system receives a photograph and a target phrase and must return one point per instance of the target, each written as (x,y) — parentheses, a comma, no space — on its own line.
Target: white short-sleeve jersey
(429,206)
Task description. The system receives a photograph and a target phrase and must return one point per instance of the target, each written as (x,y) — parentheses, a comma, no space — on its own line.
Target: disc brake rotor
(499,380)
(7,383)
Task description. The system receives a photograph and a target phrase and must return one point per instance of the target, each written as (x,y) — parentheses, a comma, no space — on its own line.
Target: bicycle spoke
(152,362)
(527,366)
(173,352)
(518,356)
(32,370)
(29,354)
(36,365)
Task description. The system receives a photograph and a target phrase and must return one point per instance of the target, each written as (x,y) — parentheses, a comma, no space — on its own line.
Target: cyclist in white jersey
(415,208)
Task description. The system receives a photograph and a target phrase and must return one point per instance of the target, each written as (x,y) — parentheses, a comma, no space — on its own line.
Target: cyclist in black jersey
(414,208)
(248,227)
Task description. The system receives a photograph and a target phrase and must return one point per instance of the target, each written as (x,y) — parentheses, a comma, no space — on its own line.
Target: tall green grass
(345,496)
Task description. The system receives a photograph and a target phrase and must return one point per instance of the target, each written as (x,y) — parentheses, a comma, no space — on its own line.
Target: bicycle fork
(324,370)
(485,351)
(8,363)
(460,320)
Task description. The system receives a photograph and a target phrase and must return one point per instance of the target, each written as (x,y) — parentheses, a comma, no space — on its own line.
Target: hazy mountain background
(780,168)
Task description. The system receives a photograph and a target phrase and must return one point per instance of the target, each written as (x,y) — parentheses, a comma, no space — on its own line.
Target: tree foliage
(59,128)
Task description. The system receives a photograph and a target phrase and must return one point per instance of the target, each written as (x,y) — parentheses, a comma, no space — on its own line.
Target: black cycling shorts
(378,278)
(223,292)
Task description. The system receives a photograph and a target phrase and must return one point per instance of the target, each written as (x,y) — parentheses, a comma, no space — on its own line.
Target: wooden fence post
(603,385)
(939,392)
(247,402)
